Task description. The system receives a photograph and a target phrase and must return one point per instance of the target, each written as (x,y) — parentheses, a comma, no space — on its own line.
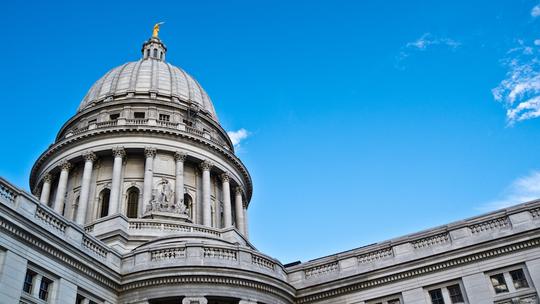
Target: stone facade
(141,199)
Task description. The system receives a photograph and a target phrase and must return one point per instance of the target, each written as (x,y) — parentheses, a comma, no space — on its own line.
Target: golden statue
(156,29)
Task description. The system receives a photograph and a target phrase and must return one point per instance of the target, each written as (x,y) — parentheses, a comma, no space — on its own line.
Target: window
(155,53)
(164,117)
(394,299)
(138,115)
(187,122)
(519,279)
(27,287)
(498,282)
(104,199)
(114,116)
(160,55)
(188,201)
(44,288)
(436,296)
(132,202)
(455,294)
(147,52)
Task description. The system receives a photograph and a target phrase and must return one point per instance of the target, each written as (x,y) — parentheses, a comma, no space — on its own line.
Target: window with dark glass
(44,288)
(105,197)
(114,116)
(498,282)
(519,279)
(80,299)
(164,117)
(138,115)
(155,53)
(455,293)
(133,202)
(436,296)
(28,278)
(394,301)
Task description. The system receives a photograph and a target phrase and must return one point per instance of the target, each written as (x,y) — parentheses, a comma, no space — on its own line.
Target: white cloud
(519,92)
(521,190)
(428,40)
(535,12)
(238,136)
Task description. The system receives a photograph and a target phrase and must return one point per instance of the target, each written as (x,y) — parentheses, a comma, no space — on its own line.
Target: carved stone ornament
(163,200)
(206,165)
(119,152)
(150,151)
(65,165)
(47,178)
(89,156)
(238,190)
(225,177)
(180,156)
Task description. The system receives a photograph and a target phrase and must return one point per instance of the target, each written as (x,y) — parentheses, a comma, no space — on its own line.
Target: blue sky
(364,120)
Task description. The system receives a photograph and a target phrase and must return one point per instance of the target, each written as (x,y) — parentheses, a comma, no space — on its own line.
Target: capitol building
(141,199)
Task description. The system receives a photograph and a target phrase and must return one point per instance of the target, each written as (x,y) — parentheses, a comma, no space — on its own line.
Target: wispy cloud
(238,136)
(521,190)
(535,11)
(426,41)
(519,92)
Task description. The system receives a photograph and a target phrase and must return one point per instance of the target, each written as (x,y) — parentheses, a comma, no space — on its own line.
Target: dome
(149,75)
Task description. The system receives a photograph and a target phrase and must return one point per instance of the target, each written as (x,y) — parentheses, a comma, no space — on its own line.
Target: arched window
(188,202)
(147,53)
(104,198)
(155,53)
(160,55)
(132,202)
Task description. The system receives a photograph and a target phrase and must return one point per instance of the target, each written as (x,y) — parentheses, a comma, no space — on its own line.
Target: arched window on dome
(132,202)
(155,53)
(188,202)
(160,55)
(147,53)
(104,197)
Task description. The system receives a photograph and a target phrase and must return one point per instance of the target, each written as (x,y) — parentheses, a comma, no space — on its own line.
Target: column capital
(89,156)
(119,152)
(150,151)
(180,156)
(65,165)
(47,178)
(225,177)
(238,190)
(206,165)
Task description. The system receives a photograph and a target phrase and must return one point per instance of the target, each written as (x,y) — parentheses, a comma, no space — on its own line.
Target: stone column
(149,153)
(36,282)
(227,212)
(89,159)
(118,153)
(46,190)
(239,210)
(207,209)
(179,183)
(62,186)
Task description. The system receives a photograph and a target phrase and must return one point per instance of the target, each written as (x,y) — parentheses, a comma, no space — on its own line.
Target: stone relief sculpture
(163,200)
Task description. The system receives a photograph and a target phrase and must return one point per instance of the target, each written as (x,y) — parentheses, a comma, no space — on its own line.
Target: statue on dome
(163,200)
(156,29)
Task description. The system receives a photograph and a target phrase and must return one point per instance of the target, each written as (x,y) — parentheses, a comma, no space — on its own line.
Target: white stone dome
(149,75)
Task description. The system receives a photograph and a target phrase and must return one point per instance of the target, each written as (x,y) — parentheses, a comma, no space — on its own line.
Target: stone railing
(149,225)
(51,219)
(196,254)
(29,207)
(321,270)
(167,254)
(498,224)
(146,122)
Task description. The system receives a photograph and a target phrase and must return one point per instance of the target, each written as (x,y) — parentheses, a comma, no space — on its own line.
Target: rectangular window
(436,296)
(27,287)
(455,294)
(498,282)
(44,288)
(138,115)
(114,116)
(519,279)
(394,301)
(164,117)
